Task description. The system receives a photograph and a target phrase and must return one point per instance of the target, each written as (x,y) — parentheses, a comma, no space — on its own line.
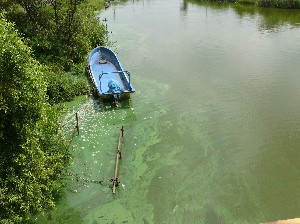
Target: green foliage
(247,2)
(292,4)
(32,151)
(279,3)
(59,31)
(65,86)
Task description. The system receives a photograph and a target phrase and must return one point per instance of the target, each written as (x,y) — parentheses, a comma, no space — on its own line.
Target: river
(212,134)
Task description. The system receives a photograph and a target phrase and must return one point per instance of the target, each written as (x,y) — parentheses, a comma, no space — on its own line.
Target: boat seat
(102,61)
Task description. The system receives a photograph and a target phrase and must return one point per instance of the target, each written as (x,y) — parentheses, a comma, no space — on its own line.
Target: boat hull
(109,78)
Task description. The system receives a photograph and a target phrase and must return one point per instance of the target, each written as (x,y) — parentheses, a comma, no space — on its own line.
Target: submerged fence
(70,127)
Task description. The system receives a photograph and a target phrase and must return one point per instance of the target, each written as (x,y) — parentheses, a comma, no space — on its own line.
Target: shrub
(32,150)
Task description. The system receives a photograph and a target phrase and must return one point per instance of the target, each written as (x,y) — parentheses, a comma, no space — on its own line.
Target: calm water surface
(212,134)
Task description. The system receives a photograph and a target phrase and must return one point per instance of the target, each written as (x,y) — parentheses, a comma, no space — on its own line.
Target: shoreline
(279,4)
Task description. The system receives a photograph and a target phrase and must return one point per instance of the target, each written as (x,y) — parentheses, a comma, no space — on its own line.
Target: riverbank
(283,4)
(43,58)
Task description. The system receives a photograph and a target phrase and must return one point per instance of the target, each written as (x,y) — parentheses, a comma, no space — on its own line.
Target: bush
(279,3)
(65,86)
(32,150)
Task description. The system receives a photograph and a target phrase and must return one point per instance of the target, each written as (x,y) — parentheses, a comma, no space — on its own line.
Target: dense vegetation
(60,33)
(43,45)
(288,4)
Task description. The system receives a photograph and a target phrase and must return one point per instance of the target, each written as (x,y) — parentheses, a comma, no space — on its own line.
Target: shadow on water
(69,215)
(271,19)
(100,105)
(124,104)
(66,215)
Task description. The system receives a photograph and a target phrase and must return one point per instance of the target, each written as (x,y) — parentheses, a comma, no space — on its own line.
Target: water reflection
(184,8)
(271,20)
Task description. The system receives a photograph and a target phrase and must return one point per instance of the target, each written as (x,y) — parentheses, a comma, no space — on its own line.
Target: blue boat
(111,81)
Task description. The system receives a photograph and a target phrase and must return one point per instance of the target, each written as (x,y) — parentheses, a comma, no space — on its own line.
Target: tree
(32,151)
(60,31)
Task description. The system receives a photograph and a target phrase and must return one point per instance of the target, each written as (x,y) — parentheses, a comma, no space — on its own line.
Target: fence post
(115,179)
(77,126)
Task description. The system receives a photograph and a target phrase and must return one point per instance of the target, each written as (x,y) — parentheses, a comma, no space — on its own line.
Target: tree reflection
(271,20)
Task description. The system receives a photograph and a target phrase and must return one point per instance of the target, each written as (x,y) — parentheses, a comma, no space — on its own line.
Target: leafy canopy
(32,152)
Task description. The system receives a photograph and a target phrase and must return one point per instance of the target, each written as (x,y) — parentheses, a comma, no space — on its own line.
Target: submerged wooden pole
(288,221)
(116,180)
(73,132)
(76,128)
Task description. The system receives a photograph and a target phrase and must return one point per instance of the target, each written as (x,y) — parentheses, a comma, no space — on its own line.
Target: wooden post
(77,126)
(73,132)
(116,180)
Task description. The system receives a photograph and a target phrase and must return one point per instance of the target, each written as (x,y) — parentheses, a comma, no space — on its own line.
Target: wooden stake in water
(116,180)
(77,126)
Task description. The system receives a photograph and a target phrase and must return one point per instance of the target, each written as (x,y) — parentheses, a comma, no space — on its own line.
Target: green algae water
(212,133)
